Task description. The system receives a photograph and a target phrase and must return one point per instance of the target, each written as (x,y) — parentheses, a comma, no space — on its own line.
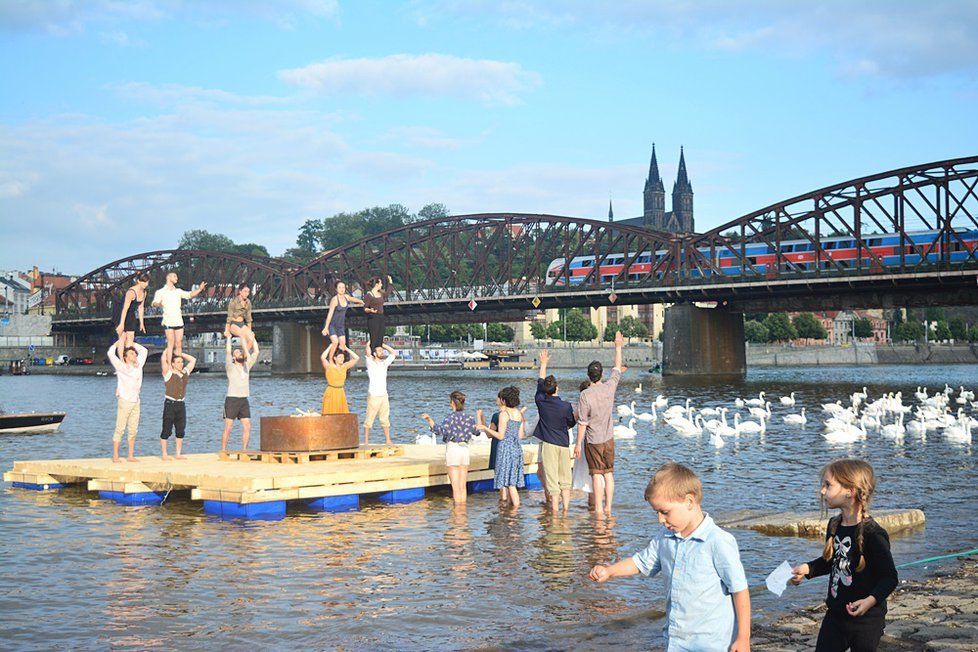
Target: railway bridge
(905,237)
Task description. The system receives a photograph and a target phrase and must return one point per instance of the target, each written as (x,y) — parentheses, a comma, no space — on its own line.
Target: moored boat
(34,422)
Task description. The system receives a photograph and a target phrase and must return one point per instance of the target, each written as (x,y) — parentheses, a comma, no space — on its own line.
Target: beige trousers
(126,416)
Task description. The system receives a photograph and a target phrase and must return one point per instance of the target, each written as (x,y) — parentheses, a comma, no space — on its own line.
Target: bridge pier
(296,348)
(703,342)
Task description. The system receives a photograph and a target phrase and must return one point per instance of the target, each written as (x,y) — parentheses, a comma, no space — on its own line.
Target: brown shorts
(600,457)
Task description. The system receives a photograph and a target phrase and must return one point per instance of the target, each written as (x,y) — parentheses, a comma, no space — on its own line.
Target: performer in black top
(857,558)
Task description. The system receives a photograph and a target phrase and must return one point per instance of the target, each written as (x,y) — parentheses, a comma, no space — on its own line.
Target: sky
(125,123)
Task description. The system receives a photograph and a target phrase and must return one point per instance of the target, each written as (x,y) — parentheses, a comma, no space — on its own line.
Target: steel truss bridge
(494,266)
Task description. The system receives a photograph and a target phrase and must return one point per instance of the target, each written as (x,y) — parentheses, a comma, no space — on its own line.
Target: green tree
(909,331)
(555,331)
(609,332)
(579,328)
(202,240)
(755,332)
(959,330)
(942,332)
(808,327)
(779,328)
(252,249)
(500,332)
(862,327)
(632,327)
(538,330)
(431,212)
(933,314)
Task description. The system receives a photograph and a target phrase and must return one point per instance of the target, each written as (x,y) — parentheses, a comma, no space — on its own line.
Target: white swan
(921,395)
(761,411)
(750,427)
(646,416)
(710,412)
(625,411)
(832,408)
(625,432)
(660,401)
(716,440)
(638,390)
(915,427)
(759,401)
(738,402)
(966,394)
(788,400)
(796,419)
(687,427)
(726,430)
(677,411)
(894,430)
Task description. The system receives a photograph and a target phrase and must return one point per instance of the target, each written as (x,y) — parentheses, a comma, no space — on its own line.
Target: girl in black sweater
(857,554)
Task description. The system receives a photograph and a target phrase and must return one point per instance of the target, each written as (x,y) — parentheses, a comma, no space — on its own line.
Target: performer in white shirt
(169,297)
(129,381)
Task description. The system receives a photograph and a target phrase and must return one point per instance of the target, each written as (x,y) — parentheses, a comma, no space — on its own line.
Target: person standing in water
(129,312)
(335,328)
(169,298)
(373,305)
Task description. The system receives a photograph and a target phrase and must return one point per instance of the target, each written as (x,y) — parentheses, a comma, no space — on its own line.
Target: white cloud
(12,189)
(873,38)
(427,138)
(485,80)
(66,17)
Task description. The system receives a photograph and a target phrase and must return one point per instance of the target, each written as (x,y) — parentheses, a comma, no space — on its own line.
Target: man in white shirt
(129,381)
(170,297)
(378,404)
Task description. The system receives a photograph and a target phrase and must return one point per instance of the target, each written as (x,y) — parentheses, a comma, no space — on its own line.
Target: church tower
(655,197)
(682,200)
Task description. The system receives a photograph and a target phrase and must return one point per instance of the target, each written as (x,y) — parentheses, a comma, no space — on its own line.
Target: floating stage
(259,484)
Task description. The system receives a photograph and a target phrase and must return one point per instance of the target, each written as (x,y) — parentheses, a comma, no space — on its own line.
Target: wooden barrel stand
(304,434)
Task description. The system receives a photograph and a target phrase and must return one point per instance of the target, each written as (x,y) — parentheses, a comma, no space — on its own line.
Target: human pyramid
(128,357)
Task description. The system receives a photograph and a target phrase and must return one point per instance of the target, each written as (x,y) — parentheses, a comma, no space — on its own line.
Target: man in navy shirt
(555,416)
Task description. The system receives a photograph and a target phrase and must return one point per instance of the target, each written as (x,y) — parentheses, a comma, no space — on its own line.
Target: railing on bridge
(915,220)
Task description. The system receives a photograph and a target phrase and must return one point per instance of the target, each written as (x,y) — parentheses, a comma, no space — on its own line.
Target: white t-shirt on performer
(377,373)
(171,298)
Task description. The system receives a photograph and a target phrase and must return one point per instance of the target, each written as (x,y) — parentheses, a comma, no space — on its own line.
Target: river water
(81,573)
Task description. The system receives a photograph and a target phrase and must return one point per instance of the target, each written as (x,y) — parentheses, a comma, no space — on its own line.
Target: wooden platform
(304,457)
(242,481)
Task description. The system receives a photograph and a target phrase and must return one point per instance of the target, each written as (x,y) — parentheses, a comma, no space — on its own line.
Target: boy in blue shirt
(707,598)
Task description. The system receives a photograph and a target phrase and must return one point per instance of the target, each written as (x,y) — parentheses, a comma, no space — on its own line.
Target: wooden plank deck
(244,482)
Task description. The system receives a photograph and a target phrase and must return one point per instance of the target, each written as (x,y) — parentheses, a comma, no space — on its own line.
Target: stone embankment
(939,613)
(812,524)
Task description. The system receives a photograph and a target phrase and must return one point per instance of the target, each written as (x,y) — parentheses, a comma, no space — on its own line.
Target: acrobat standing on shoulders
(169,298)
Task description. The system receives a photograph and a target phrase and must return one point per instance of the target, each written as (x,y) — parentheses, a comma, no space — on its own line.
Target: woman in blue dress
(335,327)
(509,452)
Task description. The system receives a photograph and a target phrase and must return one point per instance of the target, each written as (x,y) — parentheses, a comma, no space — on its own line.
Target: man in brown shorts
(596,429)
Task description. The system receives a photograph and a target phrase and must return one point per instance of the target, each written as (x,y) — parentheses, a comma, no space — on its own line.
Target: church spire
(681,220)
(654,182)
(682,179)
(611,212)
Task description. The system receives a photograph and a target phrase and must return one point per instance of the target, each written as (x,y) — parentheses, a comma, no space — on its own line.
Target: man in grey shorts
(237,365)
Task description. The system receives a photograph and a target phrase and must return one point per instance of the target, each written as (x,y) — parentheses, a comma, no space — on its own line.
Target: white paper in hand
(777,581)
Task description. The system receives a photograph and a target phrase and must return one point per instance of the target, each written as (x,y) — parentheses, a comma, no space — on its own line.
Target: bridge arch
(485,255)
(93,293)
(927,209)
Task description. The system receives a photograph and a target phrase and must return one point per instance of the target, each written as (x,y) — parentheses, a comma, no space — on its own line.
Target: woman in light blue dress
(509,453)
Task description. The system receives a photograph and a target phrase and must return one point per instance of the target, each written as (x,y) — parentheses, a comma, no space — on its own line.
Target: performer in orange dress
(335,366)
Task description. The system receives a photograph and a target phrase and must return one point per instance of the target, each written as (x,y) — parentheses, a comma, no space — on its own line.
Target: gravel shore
(938,613)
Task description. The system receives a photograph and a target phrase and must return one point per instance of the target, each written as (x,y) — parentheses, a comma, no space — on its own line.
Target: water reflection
(427,575)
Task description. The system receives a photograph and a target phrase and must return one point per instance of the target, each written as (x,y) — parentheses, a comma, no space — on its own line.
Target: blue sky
(123,124)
